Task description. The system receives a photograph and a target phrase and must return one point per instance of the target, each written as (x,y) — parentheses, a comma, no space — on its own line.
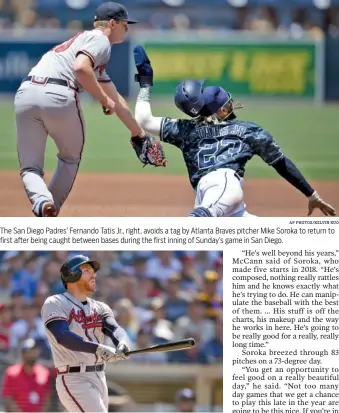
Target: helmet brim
(95,264)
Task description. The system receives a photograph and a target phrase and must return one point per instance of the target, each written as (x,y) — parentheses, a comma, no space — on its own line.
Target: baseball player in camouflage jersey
(76,328)
(215,145)
(47,103)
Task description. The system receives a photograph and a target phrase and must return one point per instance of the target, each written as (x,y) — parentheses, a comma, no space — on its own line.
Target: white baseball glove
(121,351)
(108,354)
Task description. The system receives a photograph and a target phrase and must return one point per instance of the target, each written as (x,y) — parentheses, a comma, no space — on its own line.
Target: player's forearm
(69,340)
(286,168)
(122,110)
(125,115)
(74,342)
(86,77)
(143,112)
(112,330)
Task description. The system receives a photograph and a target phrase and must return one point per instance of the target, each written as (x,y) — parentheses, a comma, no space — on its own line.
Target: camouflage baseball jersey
(58,62)
(84,320)
(207,147)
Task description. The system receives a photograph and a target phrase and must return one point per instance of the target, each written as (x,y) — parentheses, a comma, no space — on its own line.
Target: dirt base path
(102,195)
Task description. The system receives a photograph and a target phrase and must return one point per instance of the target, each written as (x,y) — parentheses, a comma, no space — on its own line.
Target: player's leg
(243,214)
(103,383)
(220,193)
(242,210)
(64,120)
(31,145)
(79,393)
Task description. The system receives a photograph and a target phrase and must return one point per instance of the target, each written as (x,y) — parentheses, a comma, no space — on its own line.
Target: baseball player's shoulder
(97,34)
(245,123)
(178,124)
(54,299)
(102,307)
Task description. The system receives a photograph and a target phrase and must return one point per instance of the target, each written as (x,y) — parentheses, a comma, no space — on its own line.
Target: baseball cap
(215,97)
(112,10)
(185,394)
(28,344)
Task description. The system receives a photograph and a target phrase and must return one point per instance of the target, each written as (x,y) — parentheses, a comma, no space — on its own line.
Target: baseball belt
(77,369)
(43,80)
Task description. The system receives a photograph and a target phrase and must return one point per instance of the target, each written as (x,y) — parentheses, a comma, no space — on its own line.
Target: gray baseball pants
(83,392)
(54,110)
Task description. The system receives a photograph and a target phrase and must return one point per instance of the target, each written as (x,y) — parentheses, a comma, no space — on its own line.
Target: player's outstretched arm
(122,110)
(286,168)
(143,110)
(73,342)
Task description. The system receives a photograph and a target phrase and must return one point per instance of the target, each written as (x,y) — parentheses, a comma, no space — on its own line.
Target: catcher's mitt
(149,150)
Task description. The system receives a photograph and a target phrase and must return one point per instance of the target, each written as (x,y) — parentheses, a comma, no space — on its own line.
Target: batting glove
(122,349)
(108,354)
(314,201)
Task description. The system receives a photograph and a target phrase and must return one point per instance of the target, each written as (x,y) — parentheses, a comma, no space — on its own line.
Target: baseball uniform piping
(88,54)
(86,332)
(223,191)
(82,147)
(71,395)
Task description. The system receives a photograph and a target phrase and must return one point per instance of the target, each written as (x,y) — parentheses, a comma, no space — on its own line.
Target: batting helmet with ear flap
(70,270)
(215,98)
(188,96)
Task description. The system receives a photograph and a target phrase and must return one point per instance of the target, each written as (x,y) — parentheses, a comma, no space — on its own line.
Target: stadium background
(156,297)
(278,57)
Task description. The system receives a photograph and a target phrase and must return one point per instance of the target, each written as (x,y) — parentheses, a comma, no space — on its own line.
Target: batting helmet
(188,96)
(70,270)
(215,98)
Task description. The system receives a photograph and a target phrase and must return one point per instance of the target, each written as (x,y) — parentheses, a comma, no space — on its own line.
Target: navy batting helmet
(215,98)
(188,96)
(70,270)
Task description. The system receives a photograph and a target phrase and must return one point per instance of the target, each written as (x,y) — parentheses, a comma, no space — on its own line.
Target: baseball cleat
(49,210)
(46,209)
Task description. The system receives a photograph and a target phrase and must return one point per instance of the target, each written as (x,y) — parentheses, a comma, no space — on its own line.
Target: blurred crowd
(179,15)
(156,297)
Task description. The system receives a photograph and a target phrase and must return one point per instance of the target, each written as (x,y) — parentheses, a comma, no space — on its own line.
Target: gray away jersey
(83,320)
(58,62)
(208,147)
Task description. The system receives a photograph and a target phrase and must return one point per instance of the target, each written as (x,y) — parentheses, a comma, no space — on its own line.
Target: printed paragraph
(285,330)
(165,232)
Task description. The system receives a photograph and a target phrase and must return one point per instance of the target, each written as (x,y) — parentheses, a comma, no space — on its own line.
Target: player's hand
(144,67)
(108,354)
(314,202)
(108,106)
(122,350)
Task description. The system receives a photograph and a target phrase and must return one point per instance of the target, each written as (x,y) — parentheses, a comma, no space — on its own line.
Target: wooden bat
(171,346)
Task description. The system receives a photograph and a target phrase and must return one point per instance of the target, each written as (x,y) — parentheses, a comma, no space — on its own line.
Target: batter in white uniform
(76,327)
(47,103)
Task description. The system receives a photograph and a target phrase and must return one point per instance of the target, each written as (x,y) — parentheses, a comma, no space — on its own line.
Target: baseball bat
(171,346)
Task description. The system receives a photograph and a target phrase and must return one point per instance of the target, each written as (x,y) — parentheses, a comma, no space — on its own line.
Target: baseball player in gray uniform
(47,103)
(76,328)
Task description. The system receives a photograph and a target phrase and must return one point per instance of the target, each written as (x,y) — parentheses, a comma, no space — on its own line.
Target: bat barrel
(170,346)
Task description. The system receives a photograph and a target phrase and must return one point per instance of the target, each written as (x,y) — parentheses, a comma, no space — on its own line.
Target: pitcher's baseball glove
(149,150)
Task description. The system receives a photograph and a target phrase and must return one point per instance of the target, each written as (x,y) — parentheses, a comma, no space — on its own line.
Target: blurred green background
(306,132)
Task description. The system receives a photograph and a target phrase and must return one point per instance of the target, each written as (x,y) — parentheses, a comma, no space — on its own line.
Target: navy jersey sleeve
(173,131)
(265,146)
